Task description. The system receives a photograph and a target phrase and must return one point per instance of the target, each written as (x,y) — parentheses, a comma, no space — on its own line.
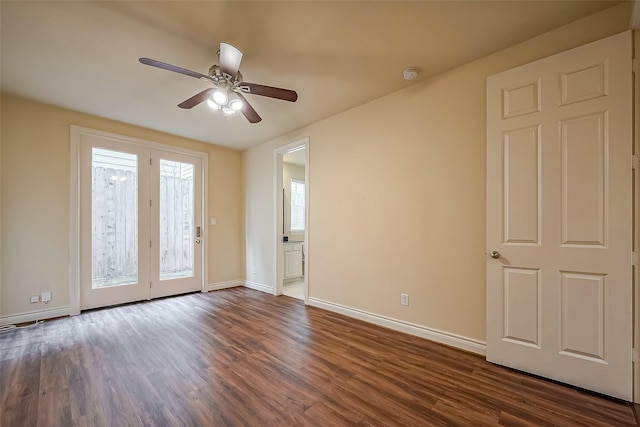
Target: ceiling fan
(228,86)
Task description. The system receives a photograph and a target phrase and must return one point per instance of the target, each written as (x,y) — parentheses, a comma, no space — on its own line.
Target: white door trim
(278,210)
(74,204)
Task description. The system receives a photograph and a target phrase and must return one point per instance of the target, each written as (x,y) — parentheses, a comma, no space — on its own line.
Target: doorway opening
(291,234)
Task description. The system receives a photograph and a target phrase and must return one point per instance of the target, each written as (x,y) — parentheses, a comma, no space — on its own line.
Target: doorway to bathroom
(292,195)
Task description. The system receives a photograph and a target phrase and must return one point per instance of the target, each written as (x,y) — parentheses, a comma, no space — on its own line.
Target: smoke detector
(410,73)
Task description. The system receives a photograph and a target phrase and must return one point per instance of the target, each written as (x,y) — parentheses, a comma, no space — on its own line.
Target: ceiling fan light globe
(220,97)
(228,111)
(236,104)
(211,103)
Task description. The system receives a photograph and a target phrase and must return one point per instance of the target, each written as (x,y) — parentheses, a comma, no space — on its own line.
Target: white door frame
(278,154)
(74,204)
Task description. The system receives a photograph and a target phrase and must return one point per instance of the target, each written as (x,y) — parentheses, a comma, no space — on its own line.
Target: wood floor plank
(239,357)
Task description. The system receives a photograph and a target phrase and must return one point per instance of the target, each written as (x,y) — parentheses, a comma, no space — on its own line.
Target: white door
(114,222)
(559,217)
(140,222)
(176,218)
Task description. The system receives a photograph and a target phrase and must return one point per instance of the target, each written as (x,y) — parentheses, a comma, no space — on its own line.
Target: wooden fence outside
(115,227)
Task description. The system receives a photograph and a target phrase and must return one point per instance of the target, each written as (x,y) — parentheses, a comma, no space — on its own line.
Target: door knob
(494,254)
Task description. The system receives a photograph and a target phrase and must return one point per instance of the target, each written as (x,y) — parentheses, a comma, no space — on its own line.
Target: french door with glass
(140,222)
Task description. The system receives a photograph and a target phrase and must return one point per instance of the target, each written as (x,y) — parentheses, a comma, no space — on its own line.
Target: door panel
(521,152)
(559,213)
(176,217)
(582,308)
(293,264)
(521,289)
(584,172)
(114,222)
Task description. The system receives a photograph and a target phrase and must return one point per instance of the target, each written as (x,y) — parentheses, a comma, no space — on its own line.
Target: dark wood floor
(244,358)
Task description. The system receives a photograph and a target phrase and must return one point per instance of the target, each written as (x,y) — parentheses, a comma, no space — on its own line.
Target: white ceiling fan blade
(230,58)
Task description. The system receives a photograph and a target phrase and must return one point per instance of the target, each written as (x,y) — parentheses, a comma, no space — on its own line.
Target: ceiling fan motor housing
(214,71)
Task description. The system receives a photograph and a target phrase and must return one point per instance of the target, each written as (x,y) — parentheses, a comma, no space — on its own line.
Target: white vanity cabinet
(292,260)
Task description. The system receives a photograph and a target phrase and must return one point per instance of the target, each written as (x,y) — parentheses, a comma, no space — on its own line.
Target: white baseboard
(452,340)
(32,316)
(259,287)
(224,285)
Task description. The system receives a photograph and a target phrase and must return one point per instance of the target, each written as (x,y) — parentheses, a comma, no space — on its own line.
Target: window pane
(176,220)
(114,217)
(297,205)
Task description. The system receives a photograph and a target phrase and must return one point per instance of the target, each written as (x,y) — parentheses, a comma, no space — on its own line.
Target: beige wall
(35,201)
(289,172)
(412,217)
(0,208)
(636,237)
(258,176)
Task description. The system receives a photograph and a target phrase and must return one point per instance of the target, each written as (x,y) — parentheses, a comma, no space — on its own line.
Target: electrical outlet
(46,297)
(404,299)
(34,299)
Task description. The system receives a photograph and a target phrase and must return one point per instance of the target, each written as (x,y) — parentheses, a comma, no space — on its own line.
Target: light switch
(213,221)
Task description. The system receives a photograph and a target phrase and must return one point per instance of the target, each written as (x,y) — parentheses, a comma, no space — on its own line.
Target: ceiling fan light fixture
(220,96)
(236,104)
(228,111)
(212,104)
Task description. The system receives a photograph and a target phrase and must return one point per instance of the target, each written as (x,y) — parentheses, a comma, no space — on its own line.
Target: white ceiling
(335,54)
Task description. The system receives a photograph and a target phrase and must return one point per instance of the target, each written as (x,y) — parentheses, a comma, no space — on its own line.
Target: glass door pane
(177,231)
(114,216)
(177,235)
